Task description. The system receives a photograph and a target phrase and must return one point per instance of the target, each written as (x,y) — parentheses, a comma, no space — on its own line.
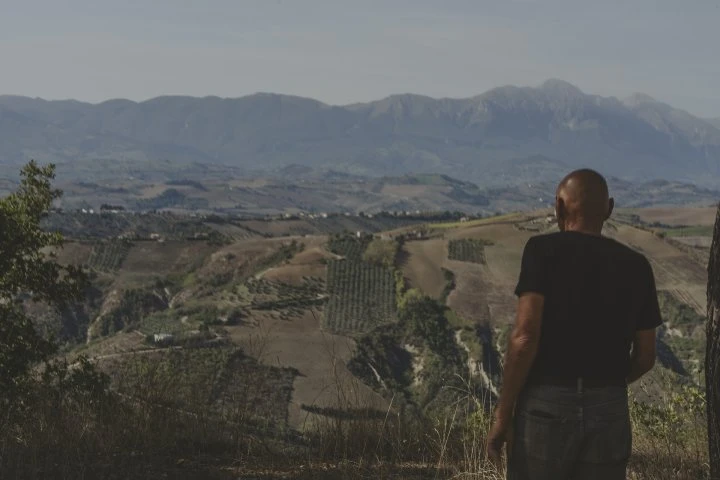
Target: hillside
(307,302)
(639,138)
(244,349)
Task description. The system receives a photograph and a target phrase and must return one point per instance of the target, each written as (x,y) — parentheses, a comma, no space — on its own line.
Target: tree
(29,272)
(712,356)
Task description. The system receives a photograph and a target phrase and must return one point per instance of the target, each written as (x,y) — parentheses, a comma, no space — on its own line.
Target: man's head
(582,202)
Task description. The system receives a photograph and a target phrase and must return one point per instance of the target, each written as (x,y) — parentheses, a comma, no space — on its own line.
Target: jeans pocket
(542,435)
(609,440)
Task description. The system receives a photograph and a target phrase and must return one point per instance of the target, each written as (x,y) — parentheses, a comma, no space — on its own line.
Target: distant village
(410,215)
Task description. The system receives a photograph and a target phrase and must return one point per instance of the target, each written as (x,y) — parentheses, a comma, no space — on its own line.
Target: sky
(341,51)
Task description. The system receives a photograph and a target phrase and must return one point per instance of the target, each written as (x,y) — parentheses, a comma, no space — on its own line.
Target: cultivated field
(362,296)
(109,256)
(467,250)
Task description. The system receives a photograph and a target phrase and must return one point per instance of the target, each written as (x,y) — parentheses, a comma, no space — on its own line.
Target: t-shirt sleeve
(533,270)
(650,311)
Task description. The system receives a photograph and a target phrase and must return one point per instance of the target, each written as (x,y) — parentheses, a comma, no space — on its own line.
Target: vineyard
(362,295)
(109,256)
(351,248)
(467,250)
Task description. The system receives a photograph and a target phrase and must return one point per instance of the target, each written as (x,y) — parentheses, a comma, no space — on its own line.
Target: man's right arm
(643,354)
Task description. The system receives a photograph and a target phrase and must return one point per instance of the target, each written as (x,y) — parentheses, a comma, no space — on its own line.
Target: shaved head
(583,201)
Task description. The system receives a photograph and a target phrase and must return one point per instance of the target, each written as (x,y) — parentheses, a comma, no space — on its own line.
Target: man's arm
(642,357)
(643,354)
(522,344)
(521,352)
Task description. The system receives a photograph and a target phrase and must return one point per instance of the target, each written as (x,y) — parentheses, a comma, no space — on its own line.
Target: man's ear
(611,207)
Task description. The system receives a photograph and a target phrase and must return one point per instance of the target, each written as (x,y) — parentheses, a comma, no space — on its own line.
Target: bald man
(585,329)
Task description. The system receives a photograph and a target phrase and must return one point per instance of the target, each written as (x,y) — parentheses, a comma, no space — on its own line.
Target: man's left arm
(519,357)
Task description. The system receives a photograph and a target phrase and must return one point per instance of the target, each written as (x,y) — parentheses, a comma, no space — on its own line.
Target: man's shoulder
(626,252)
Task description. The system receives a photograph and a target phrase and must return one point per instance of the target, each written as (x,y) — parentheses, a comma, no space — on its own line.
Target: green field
(467,250)
(362,295)
(695,231)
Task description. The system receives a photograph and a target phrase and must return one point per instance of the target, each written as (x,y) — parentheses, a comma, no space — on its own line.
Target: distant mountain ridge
(496,135)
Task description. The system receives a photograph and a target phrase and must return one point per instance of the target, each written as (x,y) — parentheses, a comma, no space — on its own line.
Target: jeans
(568,433)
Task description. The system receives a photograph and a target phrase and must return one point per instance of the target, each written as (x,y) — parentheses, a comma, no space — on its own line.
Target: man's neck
(586,229)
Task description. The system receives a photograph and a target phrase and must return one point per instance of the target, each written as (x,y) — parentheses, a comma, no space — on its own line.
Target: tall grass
(67,429)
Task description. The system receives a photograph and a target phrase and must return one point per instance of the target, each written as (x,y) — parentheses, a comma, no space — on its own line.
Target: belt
(576,382)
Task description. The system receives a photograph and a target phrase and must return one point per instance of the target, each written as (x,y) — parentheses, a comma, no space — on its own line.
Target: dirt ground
(319,357)
(486,292)
(422,266)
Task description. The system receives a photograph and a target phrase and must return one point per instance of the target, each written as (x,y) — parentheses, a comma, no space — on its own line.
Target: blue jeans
(567,433)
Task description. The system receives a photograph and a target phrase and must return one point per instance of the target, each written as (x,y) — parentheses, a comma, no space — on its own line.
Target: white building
(162,338)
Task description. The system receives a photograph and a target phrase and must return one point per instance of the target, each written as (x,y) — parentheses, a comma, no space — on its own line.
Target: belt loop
(580,385)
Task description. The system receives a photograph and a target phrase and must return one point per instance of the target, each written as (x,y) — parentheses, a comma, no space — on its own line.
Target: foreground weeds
(70,426)
(669,431)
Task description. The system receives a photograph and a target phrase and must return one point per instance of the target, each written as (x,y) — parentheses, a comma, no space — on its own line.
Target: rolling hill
(508,131)
(316,307)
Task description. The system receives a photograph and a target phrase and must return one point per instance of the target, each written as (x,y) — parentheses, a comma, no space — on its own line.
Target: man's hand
(643,354)
(500,435)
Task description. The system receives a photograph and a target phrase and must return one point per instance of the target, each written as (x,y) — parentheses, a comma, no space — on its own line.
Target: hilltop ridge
(636,138)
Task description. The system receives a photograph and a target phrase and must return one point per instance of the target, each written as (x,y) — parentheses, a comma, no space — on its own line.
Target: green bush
(381,252)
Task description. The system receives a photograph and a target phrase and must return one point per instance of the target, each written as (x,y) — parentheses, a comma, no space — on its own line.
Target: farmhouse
(162,338)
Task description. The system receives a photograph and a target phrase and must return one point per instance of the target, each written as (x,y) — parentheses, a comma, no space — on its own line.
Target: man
(585,329)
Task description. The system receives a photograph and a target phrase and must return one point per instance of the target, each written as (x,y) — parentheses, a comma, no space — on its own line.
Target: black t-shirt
(598,293)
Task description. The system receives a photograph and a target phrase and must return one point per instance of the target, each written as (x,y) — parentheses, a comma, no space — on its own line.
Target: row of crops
(352,248)
(109,256)
(467,250)
(362,295)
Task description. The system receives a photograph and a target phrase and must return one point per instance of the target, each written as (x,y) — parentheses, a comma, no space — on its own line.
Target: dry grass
(67,433)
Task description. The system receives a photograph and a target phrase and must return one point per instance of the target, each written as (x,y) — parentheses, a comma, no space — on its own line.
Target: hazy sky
(342,51)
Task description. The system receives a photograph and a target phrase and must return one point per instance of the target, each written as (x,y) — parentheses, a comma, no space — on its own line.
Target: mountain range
(506,135)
